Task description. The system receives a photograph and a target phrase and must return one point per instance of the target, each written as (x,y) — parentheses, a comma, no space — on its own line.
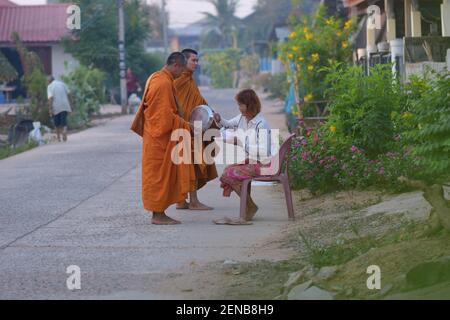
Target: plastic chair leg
(288,196)
(244,198)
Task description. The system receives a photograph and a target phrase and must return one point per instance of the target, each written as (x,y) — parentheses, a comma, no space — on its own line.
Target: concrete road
(79,203)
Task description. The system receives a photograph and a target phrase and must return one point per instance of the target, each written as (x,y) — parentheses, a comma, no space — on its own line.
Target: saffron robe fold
(163,182)
(190,97)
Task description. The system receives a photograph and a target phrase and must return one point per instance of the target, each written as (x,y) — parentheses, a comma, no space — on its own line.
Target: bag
(139,119)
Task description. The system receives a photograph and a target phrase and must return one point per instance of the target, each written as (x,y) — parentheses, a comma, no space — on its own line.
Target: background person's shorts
(60,119)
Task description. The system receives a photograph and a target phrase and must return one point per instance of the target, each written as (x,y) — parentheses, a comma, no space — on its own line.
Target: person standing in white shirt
(59,105)
(252,126)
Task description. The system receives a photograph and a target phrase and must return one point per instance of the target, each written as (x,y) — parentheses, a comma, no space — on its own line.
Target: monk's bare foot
(199,206)
(163,220)
(183,205)
(251,211)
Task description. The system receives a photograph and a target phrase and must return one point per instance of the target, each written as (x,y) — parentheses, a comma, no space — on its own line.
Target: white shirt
(255,135)
(59,92)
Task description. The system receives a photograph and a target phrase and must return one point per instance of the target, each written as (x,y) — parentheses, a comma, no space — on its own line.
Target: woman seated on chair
(255,141)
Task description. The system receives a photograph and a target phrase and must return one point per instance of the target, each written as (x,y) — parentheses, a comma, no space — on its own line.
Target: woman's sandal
(232,222)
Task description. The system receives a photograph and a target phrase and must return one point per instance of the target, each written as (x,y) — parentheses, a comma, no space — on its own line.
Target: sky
(182,12)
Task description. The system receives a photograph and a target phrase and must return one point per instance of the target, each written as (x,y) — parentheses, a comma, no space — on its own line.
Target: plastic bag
(35,134)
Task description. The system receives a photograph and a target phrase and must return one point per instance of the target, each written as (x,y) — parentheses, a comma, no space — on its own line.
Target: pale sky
(181,12)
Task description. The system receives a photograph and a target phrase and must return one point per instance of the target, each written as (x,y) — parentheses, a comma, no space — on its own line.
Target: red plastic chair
(281,176)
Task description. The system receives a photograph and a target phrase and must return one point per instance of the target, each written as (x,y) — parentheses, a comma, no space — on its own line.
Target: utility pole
(122,65)
(164,23)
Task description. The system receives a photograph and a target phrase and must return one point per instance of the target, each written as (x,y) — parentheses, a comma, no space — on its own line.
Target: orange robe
(189,97)
(163,182)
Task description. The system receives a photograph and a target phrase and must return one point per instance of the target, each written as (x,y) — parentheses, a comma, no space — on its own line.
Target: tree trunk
(435,195)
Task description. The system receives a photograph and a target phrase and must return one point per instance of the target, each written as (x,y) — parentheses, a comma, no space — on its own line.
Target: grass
(336,254)
(9,151)
(346,250)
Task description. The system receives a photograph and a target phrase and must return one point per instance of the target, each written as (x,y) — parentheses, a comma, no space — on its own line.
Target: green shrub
(86,86)
(221,65)
(36,85)
(361,106)
(429,134)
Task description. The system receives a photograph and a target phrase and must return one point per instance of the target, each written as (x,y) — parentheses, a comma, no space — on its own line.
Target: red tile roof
(6,3)
(351,3)
(42,23)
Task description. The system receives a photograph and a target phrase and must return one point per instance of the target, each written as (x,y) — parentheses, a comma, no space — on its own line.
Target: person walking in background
(132,83)
(60,105)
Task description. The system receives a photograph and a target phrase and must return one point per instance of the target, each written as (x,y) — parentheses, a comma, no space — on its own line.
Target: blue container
(2,98)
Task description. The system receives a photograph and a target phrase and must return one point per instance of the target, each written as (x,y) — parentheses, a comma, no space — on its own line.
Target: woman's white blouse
(255,135)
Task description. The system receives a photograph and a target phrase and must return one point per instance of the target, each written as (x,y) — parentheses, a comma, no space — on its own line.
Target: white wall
(62,62)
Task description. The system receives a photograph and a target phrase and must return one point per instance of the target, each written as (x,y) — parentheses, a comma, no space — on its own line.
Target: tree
(95,44)
(7,71)
(223,24)
(429,135)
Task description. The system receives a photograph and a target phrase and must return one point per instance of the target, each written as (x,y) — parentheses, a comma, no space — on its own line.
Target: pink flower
(354,149)
(381,171)
(316,138)
(333,158)
(304,142)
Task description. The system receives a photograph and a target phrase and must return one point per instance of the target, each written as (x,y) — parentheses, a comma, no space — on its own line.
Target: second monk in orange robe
(190,97)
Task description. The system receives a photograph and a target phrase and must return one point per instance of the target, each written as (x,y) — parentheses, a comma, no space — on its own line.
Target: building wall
(62,62)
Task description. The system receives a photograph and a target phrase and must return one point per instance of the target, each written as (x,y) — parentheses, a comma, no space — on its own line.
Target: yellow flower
(290,56)
(329,21)
(308,36)
(345,44)
(295,48)
(333,129)
(292,35)
(305,30)
(315,57)
(308,97)
(310,67)
(348,24)
(301,59)
(339,33)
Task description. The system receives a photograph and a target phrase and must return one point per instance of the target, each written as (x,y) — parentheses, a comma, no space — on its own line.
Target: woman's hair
(251,100)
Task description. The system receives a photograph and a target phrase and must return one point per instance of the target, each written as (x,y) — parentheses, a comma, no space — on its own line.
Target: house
(414,34)
(41,29)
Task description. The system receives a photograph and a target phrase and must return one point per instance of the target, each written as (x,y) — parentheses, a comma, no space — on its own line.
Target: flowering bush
(323,162)
(312,47)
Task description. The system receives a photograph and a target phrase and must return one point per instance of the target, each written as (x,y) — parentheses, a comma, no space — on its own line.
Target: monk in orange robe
(163,182)
(190,97)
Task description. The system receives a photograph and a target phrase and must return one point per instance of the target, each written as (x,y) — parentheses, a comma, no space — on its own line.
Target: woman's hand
(217,117)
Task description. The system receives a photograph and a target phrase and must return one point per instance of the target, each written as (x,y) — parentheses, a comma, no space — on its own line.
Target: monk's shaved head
(176,58)
(188,52)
